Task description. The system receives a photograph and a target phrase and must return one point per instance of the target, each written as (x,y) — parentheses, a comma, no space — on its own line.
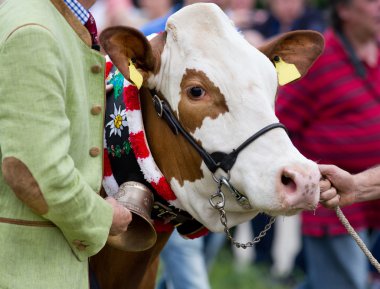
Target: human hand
(329,197)
(337,187)
(121,217)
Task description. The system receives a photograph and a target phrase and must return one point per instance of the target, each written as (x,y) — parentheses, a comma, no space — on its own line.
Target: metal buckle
(239,197)
(165,212)
(157,100)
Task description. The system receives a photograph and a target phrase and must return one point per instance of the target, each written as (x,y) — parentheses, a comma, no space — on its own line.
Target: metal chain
(223,220)
(219,205)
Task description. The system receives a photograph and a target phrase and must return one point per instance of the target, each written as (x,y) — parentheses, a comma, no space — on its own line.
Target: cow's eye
(196,92)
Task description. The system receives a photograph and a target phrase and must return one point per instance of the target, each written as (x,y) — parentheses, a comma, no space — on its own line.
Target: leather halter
(215,160)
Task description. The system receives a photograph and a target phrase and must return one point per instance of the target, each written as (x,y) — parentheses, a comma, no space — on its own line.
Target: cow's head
(223,90)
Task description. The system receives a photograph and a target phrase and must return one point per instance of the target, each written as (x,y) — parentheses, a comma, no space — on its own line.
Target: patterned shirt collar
(80,12)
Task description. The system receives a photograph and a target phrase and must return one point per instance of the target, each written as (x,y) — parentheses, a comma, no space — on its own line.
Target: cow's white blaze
(248,81)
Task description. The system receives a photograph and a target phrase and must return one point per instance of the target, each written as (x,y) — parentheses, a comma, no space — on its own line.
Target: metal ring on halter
(158,100)
(217,180)
(239,197)
(220,204)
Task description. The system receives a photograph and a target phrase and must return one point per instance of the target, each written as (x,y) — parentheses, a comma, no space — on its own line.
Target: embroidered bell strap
(91,27)
(166,216)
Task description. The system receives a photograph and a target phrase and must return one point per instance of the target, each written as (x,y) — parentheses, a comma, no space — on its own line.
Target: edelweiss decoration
(118,121)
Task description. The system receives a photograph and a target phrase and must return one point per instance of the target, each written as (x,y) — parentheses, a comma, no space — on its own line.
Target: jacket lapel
(73,21)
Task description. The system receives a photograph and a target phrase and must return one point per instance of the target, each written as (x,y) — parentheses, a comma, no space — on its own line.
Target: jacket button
(96,109)
(96,69)
(94,152)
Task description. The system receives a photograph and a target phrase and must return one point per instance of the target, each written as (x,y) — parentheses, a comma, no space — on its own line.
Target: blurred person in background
(157,11)
(245,16)
(244,13)
(287,15)
(118,12)
(333,116)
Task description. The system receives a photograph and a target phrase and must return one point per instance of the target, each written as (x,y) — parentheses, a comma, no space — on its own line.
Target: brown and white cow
(222,90)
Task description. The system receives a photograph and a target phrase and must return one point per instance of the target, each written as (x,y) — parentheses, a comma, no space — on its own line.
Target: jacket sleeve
(35,131)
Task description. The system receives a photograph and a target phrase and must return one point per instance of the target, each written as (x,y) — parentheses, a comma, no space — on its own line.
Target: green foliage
(226,275)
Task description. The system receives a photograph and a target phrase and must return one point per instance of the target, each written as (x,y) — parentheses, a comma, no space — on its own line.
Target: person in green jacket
(52,92)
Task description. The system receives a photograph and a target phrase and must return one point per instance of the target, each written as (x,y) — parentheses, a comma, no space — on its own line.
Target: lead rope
(357,238)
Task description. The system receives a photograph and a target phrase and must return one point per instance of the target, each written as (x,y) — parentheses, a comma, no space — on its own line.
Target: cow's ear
(300,48)
(123,44)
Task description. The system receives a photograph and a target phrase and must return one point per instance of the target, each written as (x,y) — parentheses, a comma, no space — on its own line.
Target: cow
(207,107)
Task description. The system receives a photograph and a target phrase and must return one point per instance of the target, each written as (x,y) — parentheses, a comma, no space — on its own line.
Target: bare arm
(342,188)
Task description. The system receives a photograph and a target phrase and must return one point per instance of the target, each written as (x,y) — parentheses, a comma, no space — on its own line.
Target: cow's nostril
(285,180)
(297,188)
(289,183)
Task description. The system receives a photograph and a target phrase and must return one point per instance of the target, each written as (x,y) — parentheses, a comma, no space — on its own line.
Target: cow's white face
(222,90)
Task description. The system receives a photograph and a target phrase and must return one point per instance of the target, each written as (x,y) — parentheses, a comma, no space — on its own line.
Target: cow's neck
(174,156)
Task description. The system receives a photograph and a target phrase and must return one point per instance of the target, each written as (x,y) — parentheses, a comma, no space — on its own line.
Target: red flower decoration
(138,144)
(164,190)
(131,98)
(108,68)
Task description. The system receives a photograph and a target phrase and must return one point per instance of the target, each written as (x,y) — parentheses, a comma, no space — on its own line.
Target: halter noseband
(215,160)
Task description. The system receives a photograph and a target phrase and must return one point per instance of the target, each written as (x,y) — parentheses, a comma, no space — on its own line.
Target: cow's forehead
(200,19)
(202,37)
(202,27)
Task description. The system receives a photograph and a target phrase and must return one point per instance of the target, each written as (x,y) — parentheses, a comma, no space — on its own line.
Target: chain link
(223,220)
(219,205)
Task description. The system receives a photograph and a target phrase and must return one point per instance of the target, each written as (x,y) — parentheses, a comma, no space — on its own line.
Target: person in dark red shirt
(333,116)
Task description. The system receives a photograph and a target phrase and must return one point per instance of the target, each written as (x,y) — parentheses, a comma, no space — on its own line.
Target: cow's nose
(299,187)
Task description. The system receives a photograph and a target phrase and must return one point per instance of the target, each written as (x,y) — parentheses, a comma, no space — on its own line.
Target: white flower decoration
(118,122)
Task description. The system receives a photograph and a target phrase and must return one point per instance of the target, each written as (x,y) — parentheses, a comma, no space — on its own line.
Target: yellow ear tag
(287,72)
(135,75)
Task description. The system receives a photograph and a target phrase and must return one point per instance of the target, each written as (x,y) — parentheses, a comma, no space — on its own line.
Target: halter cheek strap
(215,160)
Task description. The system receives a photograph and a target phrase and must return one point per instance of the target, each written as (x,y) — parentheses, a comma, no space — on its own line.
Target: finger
(332,203)
(124,218)
(128,215)
(119,222)
(112,201)
(324,185)
(328,195)
(327,170)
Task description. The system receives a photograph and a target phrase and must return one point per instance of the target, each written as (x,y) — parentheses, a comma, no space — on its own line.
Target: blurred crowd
(257,20)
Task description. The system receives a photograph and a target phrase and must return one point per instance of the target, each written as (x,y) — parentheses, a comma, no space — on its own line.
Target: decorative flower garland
(139,144)
(137,138)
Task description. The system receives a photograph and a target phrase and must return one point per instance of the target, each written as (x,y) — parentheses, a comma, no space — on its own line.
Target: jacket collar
(73,21)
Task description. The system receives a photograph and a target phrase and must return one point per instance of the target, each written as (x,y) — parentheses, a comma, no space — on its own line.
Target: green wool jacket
(51,135)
